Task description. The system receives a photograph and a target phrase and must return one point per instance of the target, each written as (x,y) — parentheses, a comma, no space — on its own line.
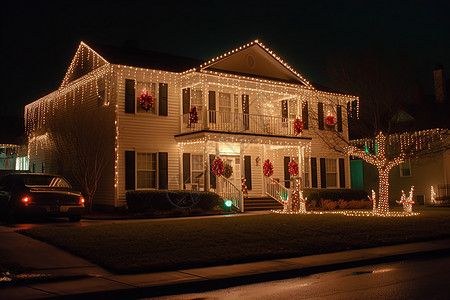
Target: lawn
(157,245)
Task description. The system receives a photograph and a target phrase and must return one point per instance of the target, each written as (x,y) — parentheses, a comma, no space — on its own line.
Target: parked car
(28,194)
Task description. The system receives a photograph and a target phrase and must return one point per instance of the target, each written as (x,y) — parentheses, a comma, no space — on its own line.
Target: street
(427,278)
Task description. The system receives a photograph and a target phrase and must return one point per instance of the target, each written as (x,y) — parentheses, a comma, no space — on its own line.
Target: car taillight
(81,201)
(26,200)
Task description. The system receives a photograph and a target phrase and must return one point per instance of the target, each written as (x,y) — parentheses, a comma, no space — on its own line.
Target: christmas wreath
(293,168)
(217,167)
(145,100)
(331,120)
(298,126)
(268,168)
(193,115)
(228,170)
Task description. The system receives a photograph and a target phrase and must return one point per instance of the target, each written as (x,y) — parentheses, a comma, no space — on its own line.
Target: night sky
(39,39)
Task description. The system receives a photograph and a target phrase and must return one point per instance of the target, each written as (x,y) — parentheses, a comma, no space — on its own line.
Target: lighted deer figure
(407,202)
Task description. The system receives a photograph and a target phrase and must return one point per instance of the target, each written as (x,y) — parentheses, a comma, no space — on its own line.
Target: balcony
(239,123)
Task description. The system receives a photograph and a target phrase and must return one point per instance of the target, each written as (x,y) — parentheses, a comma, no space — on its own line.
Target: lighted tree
(80,140)
(386,138)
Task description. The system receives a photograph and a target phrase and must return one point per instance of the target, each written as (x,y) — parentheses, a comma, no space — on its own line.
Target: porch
(244,155)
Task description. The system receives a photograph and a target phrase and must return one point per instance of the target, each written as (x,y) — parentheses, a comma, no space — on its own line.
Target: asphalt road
(412,279)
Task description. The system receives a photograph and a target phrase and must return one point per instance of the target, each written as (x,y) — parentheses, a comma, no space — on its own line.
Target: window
(146,170)
(293,108)
(197,100)
(306,173)
(225,107)
(405,169)
(331,172)
(197,169)
(236,103)
(101,94)
(150,87)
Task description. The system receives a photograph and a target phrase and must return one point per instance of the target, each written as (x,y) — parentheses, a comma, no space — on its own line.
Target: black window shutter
(323,174)
(341,173)
(163,170)
(313,172)
(186,168)
(163,99)
(186,100)
(129,96)
(130,173)
(339,118)
(320,115)
(305,114)
(284,109)
(287,176)
(212,176)
(248,171)
(212,108)
(246,111)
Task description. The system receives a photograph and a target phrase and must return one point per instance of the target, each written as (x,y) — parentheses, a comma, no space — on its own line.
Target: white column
(180,152)
(207,166)
(241,158)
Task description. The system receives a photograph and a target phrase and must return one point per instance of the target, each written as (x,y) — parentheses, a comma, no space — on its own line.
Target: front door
(235,162)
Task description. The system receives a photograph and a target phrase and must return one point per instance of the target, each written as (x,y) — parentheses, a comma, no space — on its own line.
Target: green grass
(172,244)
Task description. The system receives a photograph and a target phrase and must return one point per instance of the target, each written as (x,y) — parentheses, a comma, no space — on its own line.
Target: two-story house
(246,103)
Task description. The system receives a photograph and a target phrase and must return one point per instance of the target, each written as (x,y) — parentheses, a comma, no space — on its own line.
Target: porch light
(228,203)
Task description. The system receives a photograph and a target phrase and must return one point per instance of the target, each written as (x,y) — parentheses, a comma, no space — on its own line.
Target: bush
(158,200)
(334,194)
(328,199)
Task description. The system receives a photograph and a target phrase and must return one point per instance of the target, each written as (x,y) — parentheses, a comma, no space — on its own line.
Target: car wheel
(75,218)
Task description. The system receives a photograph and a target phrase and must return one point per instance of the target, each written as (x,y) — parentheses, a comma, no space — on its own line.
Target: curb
(211,278)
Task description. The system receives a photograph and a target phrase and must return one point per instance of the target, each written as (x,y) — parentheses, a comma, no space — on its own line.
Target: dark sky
(39,39)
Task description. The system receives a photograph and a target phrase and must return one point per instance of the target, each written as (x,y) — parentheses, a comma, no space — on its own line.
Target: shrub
(336,198)
(158,200)
(335,194)
(343,204)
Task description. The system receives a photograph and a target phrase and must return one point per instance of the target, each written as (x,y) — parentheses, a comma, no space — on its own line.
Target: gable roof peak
(259,44)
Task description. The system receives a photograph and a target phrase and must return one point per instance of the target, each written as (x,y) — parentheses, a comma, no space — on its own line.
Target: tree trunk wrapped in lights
(384,166)
(400,147)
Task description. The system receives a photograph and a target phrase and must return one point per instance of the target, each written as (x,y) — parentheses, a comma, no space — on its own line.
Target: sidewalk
(98,281)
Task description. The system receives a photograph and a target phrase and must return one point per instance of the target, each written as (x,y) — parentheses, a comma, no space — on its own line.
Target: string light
(433,195)
(407,202)
(95,70)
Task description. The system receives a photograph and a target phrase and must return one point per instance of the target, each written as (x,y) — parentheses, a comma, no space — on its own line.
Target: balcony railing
(239,122)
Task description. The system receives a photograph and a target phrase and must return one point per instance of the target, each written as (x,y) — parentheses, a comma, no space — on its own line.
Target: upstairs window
(405,169)
(197,100)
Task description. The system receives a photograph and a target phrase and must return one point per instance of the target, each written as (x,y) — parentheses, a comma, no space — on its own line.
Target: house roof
(132,56)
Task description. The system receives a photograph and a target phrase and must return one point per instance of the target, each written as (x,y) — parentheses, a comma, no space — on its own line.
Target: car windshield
(45,180)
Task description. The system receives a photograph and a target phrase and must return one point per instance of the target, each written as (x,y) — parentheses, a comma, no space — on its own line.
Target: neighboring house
(13,146)
(247,100)
(421,173)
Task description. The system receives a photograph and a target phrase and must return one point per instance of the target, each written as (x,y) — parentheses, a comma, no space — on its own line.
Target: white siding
(147,132)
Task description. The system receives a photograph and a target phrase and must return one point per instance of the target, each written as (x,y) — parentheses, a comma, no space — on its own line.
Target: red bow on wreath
(268,168)
(298,126)
(146,100)
(217,166)
(293,168)
(331,120)
(193,115)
